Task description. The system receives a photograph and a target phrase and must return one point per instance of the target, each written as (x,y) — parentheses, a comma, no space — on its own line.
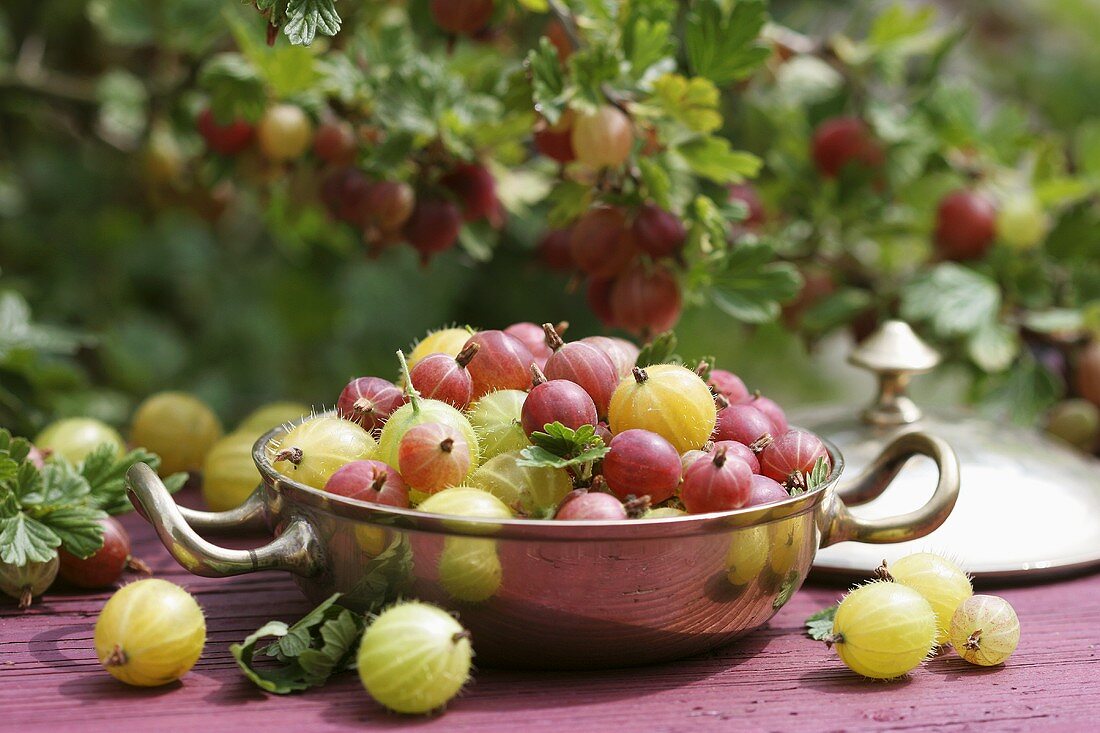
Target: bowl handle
(294,550)
(841,525)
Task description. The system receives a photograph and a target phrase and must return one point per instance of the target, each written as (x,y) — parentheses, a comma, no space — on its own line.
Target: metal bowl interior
(550,594)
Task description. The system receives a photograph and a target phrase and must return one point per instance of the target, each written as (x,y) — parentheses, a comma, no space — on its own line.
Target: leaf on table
(820,624)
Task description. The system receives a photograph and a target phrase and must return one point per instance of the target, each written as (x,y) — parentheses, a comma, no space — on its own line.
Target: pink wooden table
(776,679)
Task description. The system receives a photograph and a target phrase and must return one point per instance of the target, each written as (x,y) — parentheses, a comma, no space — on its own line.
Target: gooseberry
(387,206)
(603,138)
(883,630)
(1021,221)
(556,400)
(534,491)
(985,630)
(555,249)
(105,566)
(433,227)
(584,364)
(716,483)
(334,142)
(646,299)
(311,452)
(496,419)
(433,456)
(739,450)
(284,133)
(462,16)
(178,427)
(1076,421)
(764,490)
(74,438)
(556,141)
(657,232)
(622,353)
(414,657)
(582,504)
(24,582)
(598,295)
(642,462)
(469,569)
(372,481)
(942,583)
(265,418)
(369,401)
(601,245)
(791,456)
(445,378)
(966,225)
(744,424)
(729,385)
(474,187)
(344,193)
(419,411)
(229,474)
(503,362)
(466,501)
(444,341)
(534,338)
(664,512)
(669,400)
(773,411)
(150,633)
(228,139)
(840,141)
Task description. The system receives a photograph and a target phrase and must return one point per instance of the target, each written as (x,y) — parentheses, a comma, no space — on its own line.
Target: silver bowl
(547,594)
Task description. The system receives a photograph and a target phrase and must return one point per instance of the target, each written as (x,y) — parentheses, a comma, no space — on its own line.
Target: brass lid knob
(894,353)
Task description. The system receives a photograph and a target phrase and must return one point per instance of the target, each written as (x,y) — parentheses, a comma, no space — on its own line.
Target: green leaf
(1020,394)
(306,18)
(661,349)
(287,70)
(818,475)
(24,540)
(568,200)
(993,347)
(78,527)
(1087,147)
(725,47)
(591,68)
(646,43)
(60,485)
(557,446)
(748,286)
(954,300)
(547,81)
(835,310)
(820,624)
(236,89)
(714,158)
(657,182)
(692,102)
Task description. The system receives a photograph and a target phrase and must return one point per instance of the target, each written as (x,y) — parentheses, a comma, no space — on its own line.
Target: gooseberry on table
(639,463)
(313,451)
(24,582)
(942,583)
(370,480)
(268,416)
(414,658)
(984,630)
(229,473)
(883,630)
(178,427)
(150,633)
(74,438)
(433,456)
(667,399)
(105,566)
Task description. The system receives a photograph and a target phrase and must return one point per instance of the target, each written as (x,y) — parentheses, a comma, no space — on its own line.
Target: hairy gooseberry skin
(942,583)
(657,232)
(311,452)
(984,630)
(743,423)
(646,299)
(716,483)
(229,473)
(534,338)
(603,138)
(966,225)
(584,505)
(432,457)
(533,491)
(150,633)
(840,141)
(433,227)
(462,16)
(178,427)
(284,133)
(773,411)
(497,420)
(73,438)
(792,454)
(228,139)
(764,490)
(622,353)
(729,385)
(735,449)
(557,400)
(427,411)
(586,365)
(369,401)
(884,630)
(669,400)
(432,653)
(642,462)
(104,567)
(601,245)
(24,582)
(444,341)
(372,481)
(503,362)
(445,378)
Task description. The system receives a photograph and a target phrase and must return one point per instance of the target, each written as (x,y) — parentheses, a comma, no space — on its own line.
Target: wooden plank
(775,680)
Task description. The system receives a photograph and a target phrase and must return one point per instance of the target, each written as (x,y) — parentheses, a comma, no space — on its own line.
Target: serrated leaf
(647,42)
(557,446)
(954,300)
(78,527)
(658,350)
(714,158)
(820,624)
(306,18)
(23,540)
(725,47)
(61,485)
(547,81)
(692,102)
(749,287)
(818,475)
(534,456)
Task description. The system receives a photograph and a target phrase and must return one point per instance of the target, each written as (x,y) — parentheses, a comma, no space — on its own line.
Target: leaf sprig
(557,446)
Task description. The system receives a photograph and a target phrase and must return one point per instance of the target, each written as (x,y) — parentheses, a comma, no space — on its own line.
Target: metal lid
(1029,505)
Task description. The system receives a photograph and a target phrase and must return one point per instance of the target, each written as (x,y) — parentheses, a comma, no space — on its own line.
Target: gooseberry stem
(553,338)
(467,354)
(410,390)
(640,375)
(973,642)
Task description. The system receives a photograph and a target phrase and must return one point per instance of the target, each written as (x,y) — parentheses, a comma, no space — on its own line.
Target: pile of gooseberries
(890,626)
(456,434)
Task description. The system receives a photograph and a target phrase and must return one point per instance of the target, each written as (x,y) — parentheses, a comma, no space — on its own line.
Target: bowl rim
(534,529)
